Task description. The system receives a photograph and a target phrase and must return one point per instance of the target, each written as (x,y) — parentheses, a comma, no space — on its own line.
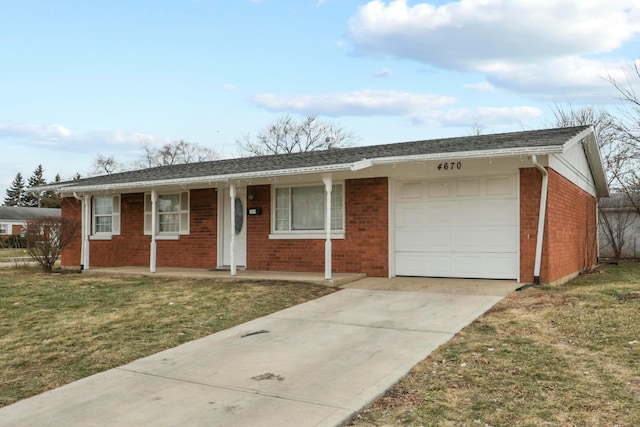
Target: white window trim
(184,215)
(115,219)
(305,234)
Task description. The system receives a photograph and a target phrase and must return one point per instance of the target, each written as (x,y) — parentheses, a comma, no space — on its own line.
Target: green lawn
(57,328)
(8,255)
(564,355)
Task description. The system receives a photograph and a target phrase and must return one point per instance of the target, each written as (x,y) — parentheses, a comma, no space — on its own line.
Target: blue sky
(82,78)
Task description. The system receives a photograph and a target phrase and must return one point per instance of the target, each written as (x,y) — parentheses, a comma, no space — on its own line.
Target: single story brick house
(463,207)
(14,218)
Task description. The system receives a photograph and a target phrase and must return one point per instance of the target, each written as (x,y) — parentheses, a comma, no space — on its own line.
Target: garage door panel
(411,239)
(411,215)
(411,190)
(504,185)
(468,188)
(437,189)
(468,265)
(438,213)
(499,266)
(437,240)
(413,264)
(501,239)
(459,227)
(503,212)
(468,240)
(468,212)
(438,265)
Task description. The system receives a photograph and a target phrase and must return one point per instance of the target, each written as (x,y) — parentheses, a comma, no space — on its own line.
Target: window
(302,209)
(106,215)
(173,213)
(4,228)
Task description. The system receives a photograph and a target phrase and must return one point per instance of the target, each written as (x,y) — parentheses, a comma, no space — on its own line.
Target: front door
(240,229)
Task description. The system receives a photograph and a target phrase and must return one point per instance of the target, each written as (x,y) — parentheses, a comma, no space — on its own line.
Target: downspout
(541,216)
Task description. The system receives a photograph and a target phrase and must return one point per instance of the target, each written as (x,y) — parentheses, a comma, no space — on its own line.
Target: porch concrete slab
(315,364)
(437,285)
(242,274)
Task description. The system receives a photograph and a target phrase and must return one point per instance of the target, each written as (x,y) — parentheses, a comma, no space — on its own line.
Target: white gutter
(344,167)
(541,215)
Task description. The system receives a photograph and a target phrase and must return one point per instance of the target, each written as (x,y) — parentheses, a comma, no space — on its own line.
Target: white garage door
(463,227)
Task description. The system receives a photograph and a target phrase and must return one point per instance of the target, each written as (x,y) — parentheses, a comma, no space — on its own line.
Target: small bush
(13,242)
(47,236)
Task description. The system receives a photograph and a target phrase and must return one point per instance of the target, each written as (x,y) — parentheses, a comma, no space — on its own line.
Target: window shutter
(115,216)
(184,212)
(147,214)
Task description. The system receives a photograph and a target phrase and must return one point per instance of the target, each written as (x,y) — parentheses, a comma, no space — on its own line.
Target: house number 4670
(449,166)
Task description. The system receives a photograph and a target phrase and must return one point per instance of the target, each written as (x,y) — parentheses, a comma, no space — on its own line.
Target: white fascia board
(576,139)
(355,166)
(185,182)
(510,152)
(591,150)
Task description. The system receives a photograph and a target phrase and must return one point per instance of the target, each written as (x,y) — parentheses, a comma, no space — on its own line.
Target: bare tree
(287,135)
(46,238)
(615,219)
(106,165)
(177,152)
(616,155)
(630,110)
(617,158)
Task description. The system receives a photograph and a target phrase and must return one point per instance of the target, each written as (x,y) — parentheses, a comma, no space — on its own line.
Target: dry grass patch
(57,328)
(564,355)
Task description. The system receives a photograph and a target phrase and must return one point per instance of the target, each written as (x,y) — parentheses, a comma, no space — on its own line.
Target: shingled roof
(513,142)
(18,213)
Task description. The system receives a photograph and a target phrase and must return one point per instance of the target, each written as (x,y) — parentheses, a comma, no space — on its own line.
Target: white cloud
(35,131)
(58,137)
(359,103)
(509,41)
(229,87)
(483,116)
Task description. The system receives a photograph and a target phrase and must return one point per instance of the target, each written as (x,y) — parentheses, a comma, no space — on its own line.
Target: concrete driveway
(315,364)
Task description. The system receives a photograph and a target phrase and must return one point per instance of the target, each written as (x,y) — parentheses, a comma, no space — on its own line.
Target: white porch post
(328,185)
(86,230)
(232,244)
(154,230)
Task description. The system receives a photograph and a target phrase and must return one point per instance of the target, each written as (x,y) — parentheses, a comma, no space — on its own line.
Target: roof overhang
(213,180)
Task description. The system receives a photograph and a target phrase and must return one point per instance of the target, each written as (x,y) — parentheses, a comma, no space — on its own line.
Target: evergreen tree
(52,199)
(34,199)
(16,193)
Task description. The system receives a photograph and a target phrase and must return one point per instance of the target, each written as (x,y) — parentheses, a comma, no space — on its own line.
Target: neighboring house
(456,207)
(13,219)
(619,227)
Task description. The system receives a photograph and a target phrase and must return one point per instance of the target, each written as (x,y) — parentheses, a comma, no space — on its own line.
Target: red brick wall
(70,257)
(364,249)
(571,234)
(132,248)
(16,229)
(569,242)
